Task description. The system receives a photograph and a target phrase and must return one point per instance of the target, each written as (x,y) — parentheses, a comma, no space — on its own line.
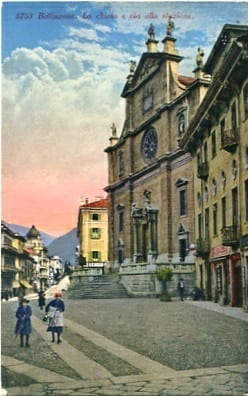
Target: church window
(147,101)
(149,144)
(120,209)
(121,163)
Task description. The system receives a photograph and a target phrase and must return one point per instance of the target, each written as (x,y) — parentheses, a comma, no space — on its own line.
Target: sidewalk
(234,312)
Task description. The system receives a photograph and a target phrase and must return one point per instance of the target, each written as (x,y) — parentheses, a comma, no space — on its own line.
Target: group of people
(53,313)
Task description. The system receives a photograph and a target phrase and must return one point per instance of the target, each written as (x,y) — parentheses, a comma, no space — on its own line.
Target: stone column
(137,216)
(153,231)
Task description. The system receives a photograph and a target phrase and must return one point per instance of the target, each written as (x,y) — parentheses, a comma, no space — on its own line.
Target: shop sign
(219,251)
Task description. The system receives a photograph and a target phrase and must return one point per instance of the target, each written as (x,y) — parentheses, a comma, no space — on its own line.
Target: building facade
(38,251)
(217,139)
(150,190)
(92,233)
(16,264)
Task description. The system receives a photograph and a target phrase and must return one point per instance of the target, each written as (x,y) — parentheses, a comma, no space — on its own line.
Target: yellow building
(217,138)
(92,232)
(150,190)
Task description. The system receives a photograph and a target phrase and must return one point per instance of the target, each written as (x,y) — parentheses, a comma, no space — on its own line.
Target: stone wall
(140,280)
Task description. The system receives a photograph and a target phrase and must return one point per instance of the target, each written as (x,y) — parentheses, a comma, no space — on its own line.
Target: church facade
(150,190)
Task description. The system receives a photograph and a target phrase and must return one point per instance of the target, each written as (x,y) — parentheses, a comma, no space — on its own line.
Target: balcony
(230,236)
(229,140)
(203,170)
(203,247)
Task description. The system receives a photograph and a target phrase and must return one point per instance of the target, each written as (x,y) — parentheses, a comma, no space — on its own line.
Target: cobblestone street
(129,347)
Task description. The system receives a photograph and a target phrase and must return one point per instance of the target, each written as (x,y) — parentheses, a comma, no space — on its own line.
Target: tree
(165,275)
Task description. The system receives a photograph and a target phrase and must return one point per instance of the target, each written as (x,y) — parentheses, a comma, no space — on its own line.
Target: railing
(203,170)
(230,236)
(229,140)
(203,246)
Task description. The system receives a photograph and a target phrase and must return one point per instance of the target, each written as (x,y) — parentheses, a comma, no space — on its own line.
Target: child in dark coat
(23,324)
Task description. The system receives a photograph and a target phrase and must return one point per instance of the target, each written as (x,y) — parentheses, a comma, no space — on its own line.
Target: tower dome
(33,233)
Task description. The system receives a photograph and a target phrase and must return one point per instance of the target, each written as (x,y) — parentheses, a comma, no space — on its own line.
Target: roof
(33,233)
(227,35)
(185,80)
(99,204)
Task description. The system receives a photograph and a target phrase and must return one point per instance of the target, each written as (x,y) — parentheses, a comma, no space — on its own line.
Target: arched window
(121,163)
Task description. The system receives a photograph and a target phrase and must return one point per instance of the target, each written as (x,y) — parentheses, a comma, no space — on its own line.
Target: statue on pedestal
(151,32)
(114,130)
(170,26)
(199,58)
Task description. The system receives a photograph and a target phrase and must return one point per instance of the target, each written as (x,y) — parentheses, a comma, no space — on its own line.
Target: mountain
(64,246)
(22,230)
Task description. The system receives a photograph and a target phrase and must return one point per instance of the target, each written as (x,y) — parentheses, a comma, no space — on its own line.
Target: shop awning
(25,284)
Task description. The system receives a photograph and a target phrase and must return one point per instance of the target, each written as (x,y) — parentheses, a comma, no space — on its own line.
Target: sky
(64,65)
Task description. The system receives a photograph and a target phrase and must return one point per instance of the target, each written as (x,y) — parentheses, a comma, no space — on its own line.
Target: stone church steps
(106,286)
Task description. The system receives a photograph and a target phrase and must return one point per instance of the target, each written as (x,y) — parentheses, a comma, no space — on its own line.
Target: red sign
(219,250)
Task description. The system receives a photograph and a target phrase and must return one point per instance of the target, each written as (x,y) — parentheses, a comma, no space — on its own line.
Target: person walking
(42,299)
(180,287)
(23,324)
(54,310)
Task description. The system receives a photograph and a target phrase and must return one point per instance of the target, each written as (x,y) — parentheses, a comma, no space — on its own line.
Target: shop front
(226,273)
(220,274)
